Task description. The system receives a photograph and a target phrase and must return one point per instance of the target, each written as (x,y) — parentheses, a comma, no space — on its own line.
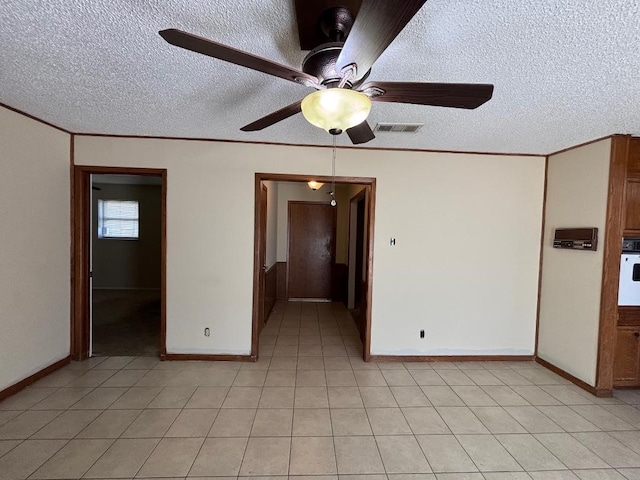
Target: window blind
(118,219)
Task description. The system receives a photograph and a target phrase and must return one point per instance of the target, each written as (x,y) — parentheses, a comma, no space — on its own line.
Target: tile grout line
(590,449)
(142,410)
(68,441)
(169,428)
(342,333)
(120,436)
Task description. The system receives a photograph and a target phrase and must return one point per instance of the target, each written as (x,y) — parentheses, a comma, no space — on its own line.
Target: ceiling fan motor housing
(321,63)
(335,23)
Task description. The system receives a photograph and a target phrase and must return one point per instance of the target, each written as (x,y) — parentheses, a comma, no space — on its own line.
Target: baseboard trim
(16,387)
(598,392)
(207,357)
(451,358)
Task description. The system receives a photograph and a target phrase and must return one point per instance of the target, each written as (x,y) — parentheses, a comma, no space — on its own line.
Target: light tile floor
(311,407)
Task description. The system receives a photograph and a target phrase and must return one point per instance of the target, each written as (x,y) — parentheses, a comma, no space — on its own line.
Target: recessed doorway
(126,221)
(119,262)
(301,253)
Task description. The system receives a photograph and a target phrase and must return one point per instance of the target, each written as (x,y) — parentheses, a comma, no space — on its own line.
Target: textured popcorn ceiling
(565,71)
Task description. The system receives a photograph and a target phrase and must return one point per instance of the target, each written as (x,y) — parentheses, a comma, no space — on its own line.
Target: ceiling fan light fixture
(336,108)
(313,185)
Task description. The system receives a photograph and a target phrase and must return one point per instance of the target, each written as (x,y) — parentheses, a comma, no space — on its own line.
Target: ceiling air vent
(398,127)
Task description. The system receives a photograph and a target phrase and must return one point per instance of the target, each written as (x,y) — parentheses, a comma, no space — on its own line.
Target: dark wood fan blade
(360,133)
(274,117)
(228,54)
(456,95)
(377,24)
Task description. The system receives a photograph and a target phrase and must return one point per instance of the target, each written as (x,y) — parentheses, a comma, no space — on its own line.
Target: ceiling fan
(338,69)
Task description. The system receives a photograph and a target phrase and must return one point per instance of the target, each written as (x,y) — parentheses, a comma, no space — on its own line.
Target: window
(118,219)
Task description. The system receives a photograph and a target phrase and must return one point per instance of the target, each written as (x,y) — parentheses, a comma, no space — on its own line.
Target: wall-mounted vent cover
(398,127)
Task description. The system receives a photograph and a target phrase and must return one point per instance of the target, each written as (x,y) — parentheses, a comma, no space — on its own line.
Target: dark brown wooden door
(311,247)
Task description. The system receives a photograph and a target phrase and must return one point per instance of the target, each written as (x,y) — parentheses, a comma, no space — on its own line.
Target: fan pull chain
(333,174)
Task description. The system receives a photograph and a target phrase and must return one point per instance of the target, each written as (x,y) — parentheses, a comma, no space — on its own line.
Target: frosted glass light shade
(313,185)
(336,108)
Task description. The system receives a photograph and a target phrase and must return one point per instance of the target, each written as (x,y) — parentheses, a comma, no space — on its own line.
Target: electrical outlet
(207,332)
(421,333)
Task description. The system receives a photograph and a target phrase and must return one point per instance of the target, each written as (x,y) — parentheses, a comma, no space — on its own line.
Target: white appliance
(629,287)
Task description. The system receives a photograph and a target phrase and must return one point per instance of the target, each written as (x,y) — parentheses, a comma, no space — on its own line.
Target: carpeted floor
(126,322)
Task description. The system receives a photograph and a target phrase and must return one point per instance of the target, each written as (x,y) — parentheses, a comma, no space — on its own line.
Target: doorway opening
(357,260)
(119,262)
(304,256)
(125,265)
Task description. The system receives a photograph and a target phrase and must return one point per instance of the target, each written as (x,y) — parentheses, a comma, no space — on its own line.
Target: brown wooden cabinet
(631,224)
(626,346)
(632,205)
(633,158)
(626,366)
(619,334)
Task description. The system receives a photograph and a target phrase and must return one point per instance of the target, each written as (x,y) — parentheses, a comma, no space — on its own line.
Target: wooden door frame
(80,245)
(333,235)
(356,198)
(370,189)
(262,284)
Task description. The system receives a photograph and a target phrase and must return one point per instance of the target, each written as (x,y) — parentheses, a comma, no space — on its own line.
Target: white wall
(577,192)
(465,266)
(465,263)
(272,223)
(34,246)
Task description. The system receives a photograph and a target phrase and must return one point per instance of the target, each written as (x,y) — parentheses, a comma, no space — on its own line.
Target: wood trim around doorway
(370,187)
(80,214)
(371,194)
(611,263)
(362,194)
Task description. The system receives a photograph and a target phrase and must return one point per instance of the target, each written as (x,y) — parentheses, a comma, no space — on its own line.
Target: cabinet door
(632,205)
(633,158)
(626,368)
